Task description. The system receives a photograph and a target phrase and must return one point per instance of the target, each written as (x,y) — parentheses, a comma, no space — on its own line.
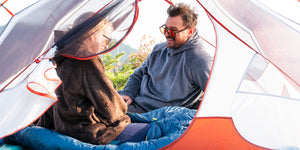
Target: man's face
(175,24)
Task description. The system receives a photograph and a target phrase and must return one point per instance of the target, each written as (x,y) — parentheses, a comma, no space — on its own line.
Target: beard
(171,43)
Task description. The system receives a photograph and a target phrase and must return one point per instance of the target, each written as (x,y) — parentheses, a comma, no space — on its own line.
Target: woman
(89,109)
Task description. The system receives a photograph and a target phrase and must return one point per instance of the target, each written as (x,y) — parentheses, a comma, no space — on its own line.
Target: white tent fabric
(28,87)
(29,99)
(254,83)
(254,79)
(28,79)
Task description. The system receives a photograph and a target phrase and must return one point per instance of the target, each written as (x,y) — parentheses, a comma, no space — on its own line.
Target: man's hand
(127,99)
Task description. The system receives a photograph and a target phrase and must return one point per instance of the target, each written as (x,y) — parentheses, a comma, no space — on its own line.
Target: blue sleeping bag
(167,124)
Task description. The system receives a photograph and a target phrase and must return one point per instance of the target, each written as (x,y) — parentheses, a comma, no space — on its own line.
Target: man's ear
(191,30)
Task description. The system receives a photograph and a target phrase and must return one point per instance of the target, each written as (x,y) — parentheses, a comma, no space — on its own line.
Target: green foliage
(118,71)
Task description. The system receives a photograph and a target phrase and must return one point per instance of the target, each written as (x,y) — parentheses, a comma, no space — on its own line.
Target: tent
(252,97)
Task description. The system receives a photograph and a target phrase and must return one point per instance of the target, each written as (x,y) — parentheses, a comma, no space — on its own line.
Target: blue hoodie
(171,77)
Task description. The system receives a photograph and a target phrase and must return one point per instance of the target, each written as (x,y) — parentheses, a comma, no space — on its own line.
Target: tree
(119,72)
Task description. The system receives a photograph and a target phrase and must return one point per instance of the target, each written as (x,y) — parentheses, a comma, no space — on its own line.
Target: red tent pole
(170,2)
(2,4)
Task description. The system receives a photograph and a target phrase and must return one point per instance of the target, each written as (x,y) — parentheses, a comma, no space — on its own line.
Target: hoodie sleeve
(133,84)
(200,68)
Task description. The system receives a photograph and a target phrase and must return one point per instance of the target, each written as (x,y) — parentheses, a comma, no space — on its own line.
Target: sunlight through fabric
(254,83)
(28,77)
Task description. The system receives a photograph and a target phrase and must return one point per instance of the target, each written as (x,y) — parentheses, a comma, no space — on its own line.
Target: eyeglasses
(163,29)
(108,39)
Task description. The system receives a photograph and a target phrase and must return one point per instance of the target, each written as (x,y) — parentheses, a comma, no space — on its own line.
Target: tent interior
(252,96)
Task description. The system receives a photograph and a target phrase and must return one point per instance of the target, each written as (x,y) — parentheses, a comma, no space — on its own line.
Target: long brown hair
(84,26)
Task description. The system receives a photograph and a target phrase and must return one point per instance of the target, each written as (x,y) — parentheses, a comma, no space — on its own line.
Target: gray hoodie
(170,77)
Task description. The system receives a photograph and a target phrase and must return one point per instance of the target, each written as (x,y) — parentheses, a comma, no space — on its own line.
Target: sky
(152,14)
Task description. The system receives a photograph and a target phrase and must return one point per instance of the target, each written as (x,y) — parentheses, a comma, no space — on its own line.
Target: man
(176,71)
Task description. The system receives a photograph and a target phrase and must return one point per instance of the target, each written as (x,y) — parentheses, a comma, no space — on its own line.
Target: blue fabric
(167,124)
(134,132)
(11,147)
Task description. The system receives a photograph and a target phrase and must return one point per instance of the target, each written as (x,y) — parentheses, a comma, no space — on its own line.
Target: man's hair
(188,16)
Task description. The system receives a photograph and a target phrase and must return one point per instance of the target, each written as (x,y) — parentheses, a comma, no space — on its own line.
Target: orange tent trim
(212,133)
